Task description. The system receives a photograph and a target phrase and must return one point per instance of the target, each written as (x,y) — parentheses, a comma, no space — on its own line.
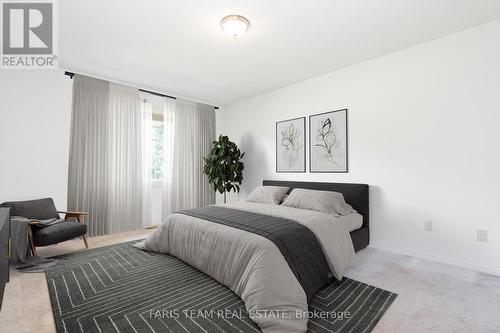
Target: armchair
(44,209)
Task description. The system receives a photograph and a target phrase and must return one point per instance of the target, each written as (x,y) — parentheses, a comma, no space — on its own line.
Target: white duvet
(251,265)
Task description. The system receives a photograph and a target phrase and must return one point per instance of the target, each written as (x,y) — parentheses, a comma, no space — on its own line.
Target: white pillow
(268,194)
(327,202)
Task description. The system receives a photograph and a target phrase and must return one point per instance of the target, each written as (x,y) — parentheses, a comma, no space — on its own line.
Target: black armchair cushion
(41,209)
(57,233)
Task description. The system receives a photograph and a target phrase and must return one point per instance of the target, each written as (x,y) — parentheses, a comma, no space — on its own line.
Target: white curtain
(88,155)
(168,157)
(192,130)
(125,159)
(106,171)
(147,181)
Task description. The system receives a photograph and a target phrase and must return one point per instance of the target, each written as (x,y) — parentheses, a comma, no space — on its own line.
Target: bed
(357,195)
(272,256)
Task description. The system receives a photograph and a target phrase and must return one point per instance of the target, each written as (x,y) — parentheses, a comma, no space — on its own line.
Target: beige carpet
(432,297)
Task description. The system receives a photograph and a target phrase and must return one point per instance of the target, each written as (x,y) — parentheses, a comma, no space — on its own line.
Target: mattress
(353,221)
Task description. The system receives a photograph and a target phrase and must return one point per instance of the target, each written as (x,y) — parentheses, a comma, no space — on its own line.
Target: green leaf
(223,166)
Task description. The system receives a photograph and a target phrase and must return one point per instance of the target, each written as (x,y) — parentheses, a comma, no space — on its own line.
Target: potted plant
(224,167)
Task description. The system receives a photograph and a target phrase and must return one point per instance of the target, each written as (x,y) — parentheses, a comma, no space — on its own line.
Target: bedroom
(386,111)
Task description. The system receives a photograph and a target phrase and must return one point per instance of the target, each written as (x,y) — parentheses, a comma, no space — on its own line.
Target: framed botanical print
(328,142)
(291,145)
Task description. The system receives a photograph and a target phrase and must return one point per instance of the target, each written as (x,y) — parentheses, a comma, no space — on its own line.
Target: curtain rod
(71,75)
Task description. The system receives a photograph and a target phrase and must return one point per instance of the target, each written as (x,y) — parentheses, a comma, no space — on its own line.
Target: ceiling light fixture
(234,25)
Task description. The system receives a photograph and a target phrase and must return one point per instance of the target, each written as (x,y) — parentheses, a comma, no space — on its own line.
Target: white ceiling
(177,46)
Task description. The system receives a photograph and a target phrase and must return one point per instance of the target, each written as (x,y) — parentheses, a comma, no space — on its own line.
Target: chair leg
(84,236)
(85,241)
(31,242)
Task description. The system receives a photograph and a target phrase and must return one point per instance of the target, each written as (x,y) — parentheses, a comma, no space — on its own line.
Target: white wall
(35,120)
(424,130)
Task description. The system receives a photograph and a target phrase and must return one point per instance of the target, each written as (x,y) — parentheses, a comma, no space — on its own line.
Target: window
(157,146)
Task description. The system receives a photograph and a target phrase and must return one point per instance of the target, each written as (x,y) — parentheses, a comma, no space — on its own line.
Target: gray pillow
(268,194)
(327,202)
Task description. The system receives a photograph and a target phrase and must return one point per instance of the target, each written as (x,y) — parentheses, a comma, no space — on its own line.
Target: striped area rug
(119,288)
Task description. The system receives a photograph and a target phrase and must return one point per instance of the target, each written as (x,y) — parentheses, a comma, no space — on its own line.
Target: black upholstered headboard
(354,194)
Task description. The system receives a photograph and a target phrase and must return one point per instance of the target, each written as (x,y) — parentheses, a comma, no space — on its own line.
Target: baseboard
(440,259)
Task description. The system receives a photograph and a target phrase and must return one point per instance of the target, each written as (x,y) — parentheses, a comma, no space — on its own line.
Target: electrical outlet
(482,235)
(428,225)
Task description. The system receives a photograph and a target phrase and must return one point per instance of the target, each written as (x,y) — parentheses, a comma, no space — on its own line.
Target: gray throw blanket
(20,256)
(299,246)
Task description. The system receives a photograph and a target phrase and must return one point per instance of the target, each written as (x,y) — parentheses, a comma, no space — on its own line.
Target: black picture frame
(304,128)
(346,147)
